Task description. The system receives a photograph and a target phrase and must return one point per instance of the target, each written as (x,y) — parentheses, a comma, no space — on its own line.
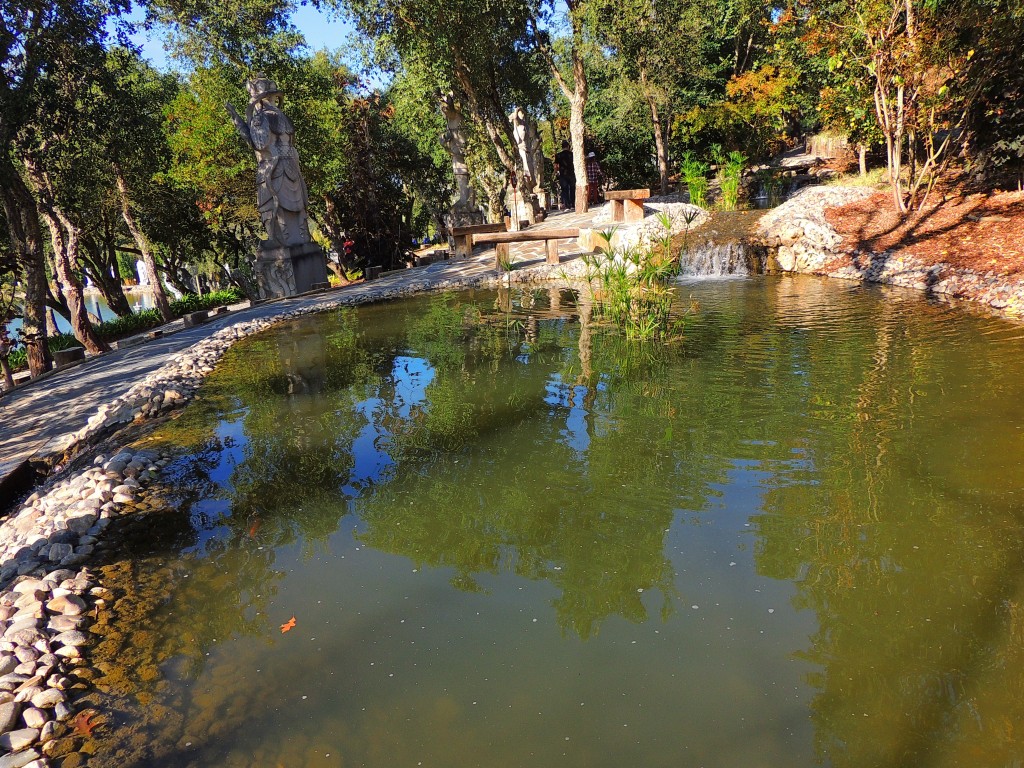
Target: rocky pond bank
(802,238)
(53,604)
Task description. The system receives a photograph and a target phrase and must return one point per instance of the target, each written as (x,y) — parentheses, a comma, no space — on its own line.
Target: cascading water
(720,248)
(712,259)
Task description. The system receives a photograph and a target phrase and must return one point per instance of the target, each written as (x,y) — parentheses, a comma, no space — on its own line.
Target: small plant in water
(632,285)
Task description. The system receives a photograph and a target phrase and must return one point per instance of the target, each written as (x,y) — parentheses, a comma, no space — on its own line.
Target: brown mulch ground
(981,232)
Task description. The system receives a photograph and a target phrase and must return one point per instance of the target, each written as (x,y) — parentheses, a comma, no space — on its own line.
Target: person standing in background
(566,177)
(595,179)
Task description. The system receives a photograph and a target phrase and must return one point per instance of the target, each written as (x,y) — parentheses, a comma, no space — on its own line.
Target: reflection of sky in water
(705,584)
(575,434)
(410,377)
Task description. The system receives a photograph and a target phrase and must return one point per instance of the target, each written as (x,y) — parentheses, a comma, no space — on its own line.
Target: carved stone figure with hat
(281,195)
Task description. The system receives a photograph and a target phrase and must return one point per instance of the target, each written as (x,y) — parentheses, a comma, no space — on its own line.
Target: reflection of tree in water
(478,504)
(900,547)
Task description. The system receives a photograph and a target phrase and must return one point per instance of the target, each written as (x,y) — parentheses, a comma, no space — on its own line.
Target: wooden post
(463,246)
(551,249)
(501,255)
(634,211)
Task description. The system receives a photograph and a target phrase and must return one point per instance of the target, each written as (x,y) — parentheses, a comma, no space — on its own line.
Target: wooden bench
(502,241)
(627,204)
(463,237)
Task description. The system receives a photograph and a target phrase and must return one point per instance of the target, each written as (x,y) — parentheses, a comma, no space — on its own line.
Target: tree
(479,50)
(133,138)
(577,93)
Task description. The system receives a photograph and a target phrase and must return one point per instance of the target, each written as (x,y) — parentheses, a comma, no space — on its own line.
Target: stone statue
(454,140)
(521,130)
(464,212)
(280,189)
(288,261)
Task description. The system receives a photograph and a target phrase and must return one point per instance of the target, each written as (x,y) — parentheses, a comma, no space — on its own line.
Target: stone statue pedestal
(464,217)
(287,270)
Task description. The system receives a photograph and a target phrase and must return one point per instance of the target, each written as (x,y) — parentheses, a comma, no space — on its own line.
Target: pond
(792,538)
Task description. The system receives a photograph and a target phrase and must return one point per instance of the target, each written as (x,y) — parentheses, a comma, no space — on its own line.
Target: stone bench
(627,204)
(463,237)
(195,318)
(503,240)
(70,355)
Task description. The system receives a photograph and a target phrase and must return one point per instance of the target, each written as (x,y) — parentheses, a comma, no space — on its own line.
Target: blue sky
(320,29)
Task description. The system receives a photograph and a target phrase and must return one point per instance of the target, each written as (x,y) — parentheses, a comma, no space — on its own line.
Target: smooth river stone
(35,718)
(27,622)
(7,663)
(26,637)
(16,740)
(72,637)
(67,605)
(66,623)
(19,759)
(48,699)
(9,713)
(30,585)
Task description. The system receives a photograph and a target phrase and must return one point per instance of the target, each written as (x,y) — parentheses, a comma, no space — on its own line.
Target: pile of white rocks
(799,230)
(680,217)
(806,242)
(47,598)
(43,641)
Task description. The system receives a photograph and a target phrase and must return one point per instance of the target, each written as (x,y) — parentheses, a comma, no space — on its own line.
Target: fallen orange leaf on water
(84,723)
(288,625)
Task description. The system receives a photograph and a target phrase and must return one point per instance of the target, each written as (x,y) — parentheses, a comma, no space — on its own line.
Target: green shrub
(192,303)
(18,359)
(129,325)
(730,174)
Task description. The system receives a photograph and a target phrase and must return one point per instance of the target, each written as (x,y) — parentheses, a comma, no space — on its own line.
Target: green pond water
(793,538)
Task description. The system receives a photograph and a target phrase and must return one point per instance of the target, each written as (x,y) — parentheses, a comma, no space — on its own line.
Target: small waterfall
(710,259)
(722,247)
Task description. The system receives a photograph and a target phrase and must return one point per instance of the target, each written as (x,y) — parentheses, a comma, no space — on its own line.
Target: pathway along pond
(793,538)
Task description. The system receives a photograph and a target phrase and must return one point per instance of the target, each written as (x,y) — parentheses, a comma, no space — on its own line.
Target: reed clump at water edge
(631,285)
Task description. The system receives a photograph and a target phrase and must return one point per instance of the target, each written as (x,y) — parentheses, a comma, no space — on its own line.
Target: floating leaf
(288,625)
(84,722)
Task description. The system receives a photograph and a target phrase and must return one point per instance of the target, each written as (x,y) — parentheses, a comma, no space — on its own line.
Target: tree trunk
(159,295)
(659,135)
(96,261)
(64,237)
(577,98)
(862,152)
(577,134)
(26,238)
(5,367)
